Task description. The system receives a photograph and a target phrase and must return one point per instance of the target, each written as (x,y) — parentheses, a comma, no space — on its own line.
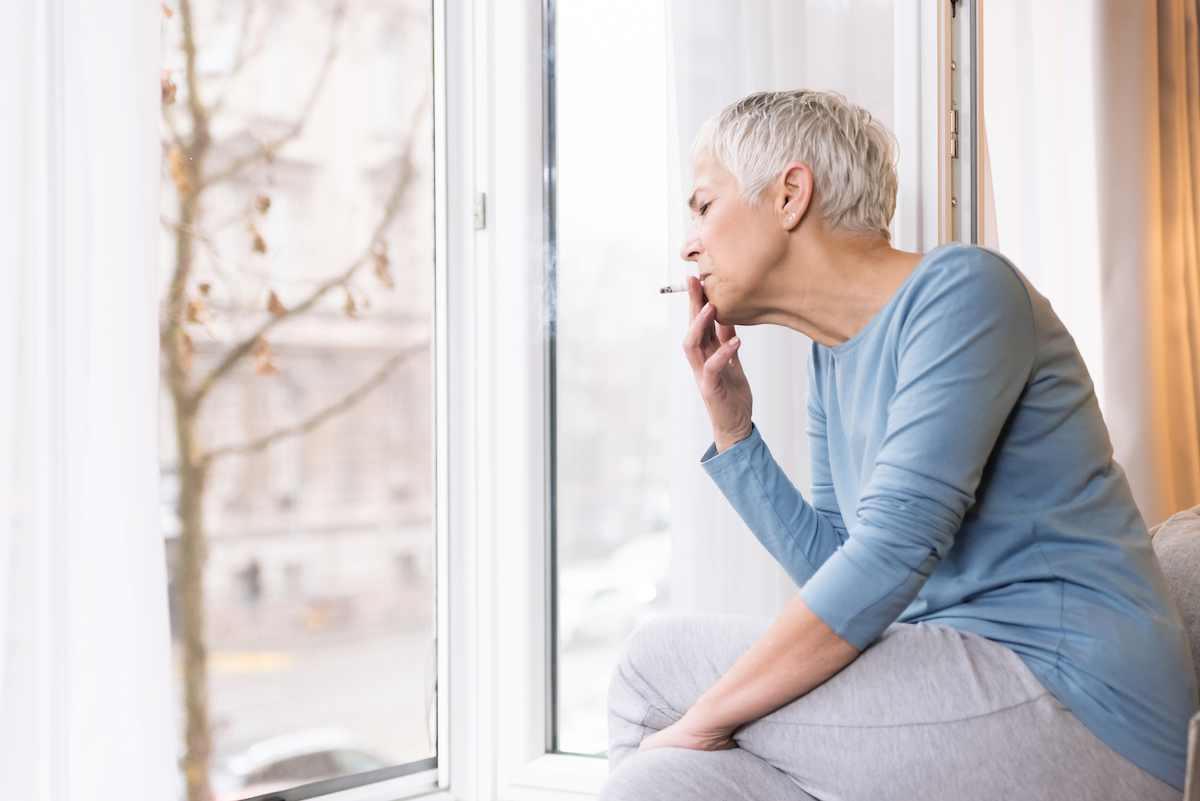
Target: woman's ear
(794,193)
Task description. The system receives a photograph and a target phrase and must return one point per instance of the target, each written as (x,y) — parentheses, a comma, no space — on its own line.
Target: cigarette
(666,290)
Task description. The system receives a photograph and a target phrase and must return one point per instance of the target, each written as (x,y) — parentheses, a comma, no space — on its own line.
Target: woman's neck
(830,286)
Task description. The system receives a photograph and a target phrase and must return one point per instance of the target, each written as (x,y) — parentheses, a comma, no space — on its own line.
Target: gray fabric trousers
(927,713)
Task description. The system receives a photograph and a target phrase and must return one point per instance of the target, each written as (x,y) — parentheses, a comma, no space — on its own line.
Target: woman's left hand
(690,733)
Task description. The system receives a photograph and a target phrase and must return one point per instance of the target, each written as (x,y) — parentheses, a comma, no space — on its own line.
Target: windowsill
(558,777)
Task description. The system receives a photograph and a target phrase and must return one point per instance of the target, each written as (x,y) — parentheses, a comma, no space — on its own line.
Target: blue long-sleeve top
(962,475)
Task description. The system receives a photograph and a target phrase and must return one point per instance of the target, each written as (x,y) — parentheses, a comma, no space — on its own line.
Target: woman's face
(734,244)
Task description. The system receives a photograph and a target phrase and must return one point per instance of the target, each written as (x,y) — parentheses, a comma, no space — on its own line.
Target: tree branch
(238,164)
(200,115)
(320,417)
(199,139)
(176,138)
(202,236)
(243,348)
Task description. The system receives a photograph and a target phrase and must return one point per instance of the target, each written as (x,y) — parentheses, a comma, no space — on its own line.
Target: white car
(602,603)
(290,760)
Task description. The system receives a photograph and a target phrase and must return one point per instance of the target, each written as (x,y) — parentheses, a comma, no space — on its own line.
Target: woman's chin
(728,313)
(730,318)
(737,316)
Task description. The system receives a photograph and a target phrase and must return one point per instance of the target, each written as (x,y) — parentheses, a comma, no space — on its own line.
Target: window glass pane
(296,425)
(612,349)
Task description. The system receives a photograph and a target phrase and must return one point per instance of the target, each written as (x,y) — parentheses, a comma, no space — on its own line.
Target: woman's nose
(691,246)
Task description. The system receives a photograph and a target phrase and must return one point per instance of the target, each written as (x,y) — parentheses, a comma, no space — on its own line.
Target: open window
(303,396)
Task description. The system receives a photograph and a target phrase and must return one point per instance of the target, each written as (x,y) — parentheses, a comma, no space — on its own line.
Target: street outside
(375,685)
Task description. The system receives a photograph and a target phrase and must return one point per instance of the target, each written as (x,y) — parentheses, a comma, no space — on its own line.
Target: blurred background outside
(613,430)
(297,276)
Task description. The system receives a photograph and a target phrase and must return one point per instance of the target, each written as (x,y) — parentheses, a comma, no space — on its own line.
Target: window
(298,403)
(610,360)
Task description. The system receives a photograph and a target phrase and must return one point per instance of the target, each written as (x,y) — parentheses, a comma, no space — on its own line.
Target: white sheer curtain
(1091,123)
(1039,106)
(84,641)
(718,51)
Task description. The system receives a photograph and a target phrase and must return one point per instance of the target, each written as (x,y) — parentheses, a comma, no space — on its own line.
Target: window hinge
(953,133)
(479,210)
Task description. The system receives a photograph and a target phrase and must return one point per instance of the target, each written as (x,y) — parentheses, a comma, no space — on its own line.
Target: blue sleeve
(824,498)
(792,531)
(964,353)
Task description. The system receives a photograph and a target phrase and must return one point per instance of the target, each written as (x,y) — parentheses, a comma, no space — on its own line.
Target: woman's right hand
(712,350)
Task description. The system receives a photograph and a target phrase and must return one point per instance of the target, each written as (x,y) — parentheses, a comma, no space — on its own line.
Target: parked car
(293,759)
(601,604)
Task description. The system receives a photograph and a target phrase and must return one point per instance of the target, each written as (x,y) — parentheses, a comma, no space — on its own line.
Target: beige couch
(1177,543)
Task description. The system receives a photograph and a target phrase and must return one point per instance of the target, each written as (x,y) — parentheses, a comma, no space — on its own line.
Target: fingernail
(736,341)
(706,305)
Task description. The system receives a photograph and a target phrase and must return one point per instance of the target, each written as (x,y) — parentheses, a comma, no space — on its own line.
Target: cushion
(1177,543)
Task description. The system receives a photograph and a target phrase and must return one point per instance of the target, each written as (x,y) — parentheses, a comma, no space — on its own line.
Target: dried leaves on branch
(404,181)
(181,174)
(382,265)
(257,243)
(313,421)
(168,87)
(196,312)
(264,357)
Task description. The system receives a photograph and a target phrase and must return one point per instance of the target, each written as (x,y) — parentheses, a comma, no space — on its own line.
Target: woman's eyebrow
(693,203)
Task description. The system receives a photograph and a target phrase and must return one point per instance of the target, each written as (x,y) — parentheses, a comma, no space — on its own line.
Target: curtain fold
(1039,100)
(1178,289)
(85,694)
(1145,61)
(1093,126)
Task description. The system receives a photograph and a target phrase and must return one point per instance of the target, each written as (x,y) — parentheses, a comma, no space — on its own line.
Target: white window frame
(498,646)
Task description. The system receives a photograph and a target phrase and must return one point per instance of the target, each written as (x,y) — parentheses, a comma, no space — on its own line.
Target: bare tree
(188,149)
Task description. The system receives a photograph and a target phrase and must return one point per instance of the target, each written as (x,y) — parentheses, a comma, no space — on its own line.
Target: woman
(981,614)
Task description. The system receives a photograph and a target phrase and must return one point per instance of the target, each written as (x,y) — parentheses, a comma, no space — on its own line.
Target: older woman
(980,615)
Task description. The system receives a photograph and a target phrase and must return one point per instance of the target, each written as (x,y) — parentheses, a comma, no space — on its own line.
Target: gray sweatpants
(927,713)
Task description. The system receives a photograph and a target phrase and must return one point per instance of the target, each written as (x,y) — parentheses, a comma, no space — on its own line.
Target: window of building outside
(611,390)
(296,424)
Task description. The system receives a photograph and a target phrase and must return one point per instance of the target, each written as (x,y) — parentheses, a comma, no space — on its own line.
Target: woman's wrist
(726,440)
(705,734)
(707,715)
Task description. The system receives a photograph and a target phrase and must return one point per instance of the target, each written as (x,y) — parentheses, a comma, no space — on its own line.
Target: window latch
(479,211)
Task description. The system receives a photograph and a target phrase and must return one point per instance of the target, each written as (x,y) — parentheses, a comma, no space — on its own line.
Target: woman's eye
(703,209)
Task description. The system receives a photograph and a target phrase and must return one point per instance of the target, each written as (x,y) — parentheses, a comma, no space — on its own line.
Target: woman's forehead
(708,175)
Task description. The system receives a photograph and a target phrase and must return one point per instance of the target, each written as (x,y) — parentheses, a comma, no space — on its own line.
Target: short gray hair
(850,153)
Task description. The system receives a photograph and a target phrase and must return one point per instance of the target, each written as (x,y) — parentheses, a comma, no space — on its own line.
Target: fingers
(698,342)
(696,298)
(725,333)
(720,358)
